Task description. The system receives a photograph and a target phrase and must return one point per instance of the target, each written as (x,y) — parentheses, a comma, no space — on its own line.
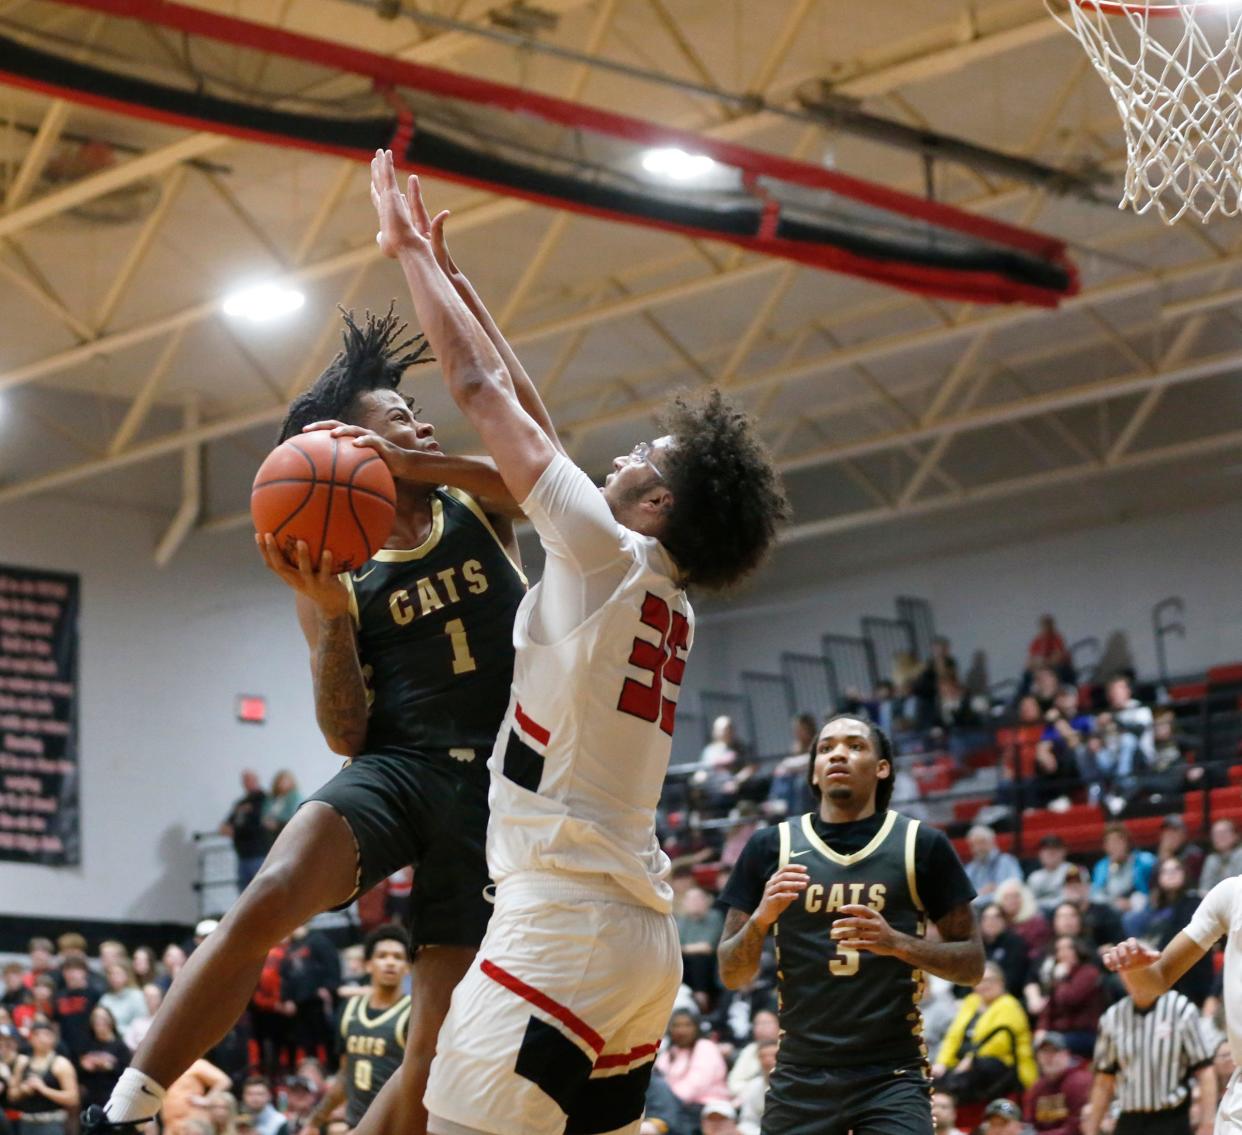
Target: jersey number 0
(665,662)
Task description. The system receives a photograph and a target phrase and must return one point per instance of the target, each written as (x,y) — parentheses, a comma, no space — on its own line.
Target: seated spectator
(1018,905)
(16,991)
(1067,922)
(1048,650)
(746,821)
(1223,1066)
(1131,716)
(172,959)
(1065,721)
(1001,1117)
(988,866)
(1122,877)
(1110,763)
(1225,858)
(1167,775)
(754,1093)
(693,1065)
(152,997)
(1173,904)
(764,1026)
(713,784)
(1076,997)
(301,1099)
(944,1113)
(1018,741)
(699,926)
(74,1001)
(42,955)
(887,704)
(1054,1104)
(280,804)
(105,1058)
(1003,947)
(44,1085)
(42,1003)
(222,1109)
(1175,843)
(719,1117)
(257,1102)
(789,794)
(124,999)
(1055,777)
(988,1048)
(1100,921)
(145,966)
(1047,881)
(1044,687)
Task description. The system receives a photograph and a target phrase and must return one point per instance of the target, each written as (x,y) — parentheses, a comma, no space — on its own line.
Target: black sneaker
(95,1122)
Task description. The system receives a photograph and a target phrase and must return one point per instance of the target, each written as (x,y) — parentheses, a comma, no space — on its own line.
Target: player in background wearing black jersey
(373,1029)
(404,691)
(847,892)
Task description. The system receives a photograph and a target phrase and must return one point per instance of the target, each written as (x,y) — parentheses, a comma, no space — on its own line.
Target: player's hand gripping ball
(326,491)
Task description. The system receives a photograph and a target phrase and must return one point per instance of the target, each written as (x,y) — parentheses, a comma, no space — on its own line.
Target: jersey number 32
(665,662)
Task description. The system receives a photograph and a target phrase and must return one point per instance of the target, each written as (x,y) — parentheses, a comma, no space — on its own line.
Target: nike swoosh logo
(362,575)
(795,854)
(148,1091)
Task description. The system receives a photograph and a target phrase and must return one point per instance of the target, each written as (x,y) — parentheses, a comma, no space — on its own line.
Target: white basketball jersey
(580,760)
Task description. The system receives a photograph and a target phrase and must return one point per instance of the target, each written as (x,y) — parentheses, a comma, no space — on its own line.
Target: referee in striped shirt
(1147,1056)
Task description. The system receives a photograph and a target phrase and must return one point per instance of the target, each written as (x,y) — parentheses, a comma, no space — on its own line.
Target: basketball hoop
(1174,70)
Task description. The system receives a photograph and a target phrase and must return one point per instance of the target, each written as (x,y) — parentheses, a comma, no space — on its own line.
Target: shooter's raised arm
(473,368)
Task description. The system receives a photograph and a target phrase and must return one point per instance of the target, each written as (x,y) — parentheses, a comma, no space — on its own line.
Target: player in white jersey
(555,1026)
(1147,974)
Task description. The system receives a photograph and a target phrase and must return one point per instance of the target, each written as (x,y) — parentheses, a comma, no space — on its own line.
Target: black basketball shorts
(873,1099)
(419,809)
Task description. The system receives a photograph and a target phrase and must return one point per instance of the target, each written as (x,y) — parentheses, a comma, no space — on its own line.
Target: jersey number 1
(665,662)
(463,660)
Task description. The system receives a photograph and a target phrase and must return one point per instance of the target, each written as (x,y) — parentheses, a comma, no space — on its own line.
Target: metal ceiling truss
(916,422)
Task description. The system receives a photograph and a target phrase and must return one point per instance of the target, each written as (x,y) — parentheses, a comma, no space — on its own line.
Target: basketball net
(1174,70)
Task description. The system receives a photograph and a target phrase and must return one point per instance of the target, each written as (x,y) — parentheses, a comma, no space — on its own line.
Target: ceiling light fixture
(261,303)
(676,164)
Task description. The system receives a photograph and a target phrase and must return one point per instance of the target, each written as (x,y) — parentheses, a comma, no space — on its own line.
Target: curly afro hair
(728,501)
(372,360)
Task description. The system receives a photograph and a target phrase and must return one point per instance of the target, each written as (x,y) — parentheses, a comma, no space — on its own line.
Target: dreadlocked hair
(728,500)
(372,359)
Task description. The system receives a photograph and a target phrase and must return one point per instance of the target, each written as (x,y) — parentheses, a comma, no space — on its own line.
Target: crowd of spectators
(71,1020)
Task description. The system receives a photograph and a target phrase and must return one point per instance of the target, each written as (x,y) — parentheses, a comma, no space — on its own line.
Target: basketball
(327,491)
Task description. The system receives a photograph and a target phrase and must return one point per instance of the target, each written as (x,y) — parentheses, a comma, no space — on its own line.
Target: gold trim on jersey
(348,580)
(403,1024)
(463,497)
(783,828)
(404,555)
(369,1023)
(912,830)
(808,830)
(351,1007)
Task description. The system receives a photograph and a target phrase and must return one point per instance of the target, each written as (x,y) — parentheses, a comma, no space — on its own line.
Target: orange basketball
(329,492)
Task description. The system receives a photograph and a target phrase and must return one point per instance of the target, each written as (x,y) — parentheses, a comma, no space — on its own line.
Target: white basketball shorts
(556,1025)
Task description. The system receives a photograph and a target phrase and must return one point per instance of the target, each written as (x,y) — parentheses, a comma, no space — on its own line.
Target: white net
(1175,73)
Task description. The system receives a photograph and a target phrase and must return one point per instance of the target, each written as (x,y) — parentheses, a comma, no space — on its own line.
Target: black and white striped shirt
(1152,1052)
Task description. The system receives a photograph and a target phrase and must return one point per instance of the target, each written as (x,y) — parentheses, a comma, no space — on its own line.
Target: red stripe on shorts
(619,1059)
(567,1017)
(537,731)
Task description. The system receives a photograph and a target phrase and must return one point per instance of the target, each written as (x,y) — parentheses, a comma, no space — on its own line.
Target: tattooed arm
(741,944)
(958,957)
(324,615)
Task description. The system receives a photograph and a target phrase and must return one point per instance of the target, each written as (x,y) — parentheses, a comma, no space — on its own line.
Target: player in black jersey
(847,892)
(373,1029)
(412,661)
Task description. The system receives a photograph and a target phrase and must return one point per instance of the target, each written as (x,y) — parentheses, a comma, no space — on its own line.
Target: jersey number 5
(665,662)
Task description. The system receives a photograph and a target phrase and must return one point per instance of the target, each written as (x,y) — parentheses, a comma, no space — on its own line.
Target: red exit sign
(251,708)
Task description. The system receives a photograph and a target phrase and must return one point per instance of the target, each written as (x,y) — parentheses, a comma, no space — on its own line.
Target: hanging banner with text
(39,717)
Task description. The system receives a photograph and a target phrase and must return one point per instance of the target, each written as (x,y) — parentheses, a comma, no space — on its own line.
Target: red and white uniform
(562,1013)
(1220,914)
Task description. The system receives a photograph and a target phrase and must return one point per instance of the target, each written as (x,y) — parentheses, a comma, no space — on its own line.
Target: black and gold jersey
(435,636)
(373,1043)
(840,1006)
